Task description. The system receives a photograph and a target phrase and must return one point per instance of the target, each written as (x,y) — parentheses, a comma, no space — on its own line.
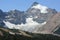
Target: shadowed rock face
(52,25)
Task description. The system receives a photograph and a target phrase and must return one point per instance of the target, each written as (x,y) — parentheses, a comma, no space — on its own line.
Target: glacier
(30,25)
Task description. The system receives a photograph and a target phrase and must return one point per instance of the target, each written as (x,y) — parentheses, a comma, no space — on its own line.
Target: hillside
(7,34)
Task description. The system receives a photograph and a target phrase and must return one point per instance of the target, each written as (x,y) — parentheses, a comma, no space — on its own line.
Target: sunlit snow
(43,9)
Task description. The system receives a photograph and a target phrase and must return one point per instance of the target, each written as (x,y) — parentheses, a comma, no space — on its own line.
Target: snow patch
(43,9)
(43,23)
(36,17)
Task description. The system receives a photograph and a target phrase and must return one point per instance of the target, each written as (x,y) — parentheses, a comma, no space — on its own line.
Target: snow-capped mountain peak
(42,8)
(32,19)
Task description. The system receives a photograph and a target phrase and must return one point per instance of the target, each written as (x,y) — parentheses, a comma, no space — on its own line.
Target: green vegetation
(5,35)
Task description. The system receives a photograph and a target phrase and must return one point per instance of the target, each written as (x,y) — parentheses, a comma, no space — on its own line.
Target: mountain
(2,17)
(40,13)
(52,25)
(30,20)
(15,17)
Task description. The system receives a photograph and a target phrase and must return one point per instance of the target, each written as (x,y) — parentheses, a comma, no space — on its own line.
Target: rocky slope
(52,25)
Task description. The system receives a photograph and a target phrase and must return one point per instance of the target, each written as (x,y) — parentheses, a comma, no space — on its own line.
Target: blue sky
(23,5)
